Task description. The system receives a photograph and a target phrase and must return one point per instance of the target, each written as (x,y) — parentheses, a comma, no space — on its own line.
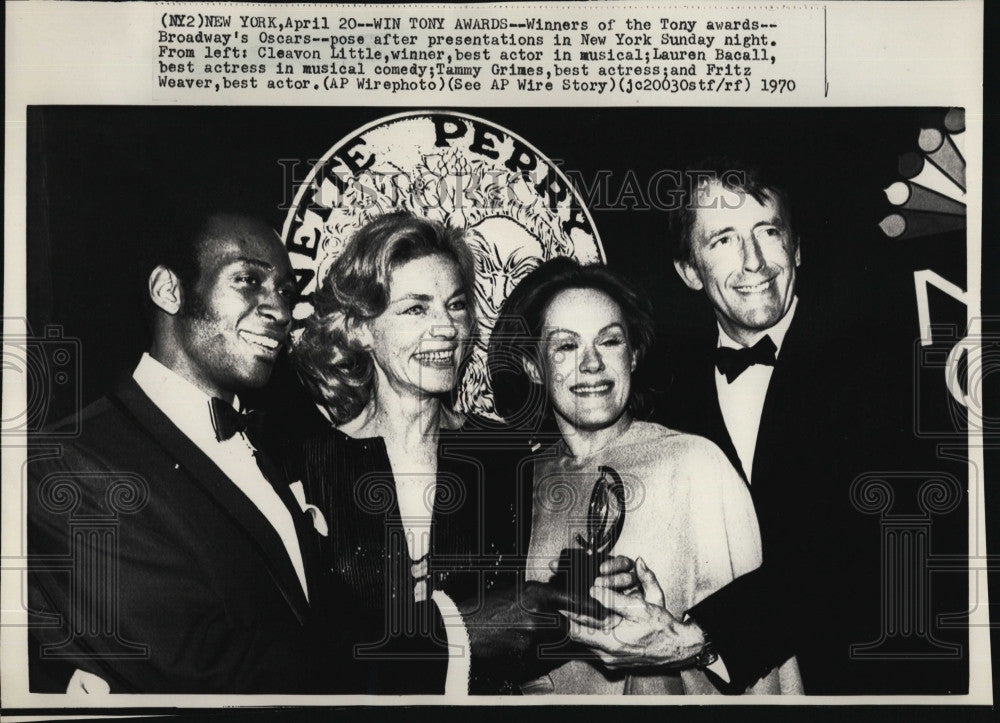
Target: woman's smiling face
(419,341)
(587,357)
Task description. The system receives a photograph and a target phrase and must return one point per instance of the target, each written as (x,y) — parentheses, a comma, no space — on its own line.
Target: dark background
(100,177)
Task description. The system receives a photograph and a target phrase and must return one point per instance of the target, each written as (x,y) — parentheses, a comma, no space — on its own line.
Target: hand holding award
(579,566)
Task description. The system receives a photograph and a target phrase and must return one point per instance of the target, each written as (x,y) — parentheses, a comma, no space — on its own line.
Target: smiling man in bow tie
(780,390)
(167,553)
(203,582)
(737,245)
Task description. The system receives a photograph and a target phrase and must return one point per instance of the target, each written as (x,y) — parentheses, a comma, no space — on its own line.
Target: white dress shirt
(742,401)
(188,407)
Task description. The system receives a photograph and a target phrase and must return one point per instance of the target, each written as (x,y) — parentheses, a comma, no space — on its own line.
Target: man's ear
(798,253)
(531,369)
(689,274)
(635,361)
(165,290)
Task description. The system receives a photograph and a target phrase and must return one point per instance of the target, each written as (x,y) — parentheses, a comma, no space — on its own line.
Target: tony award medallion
(579,566)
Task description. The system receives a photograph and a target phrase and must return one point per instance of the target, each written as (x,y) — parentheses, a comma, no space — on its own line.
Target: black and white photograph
(369,358)
(346,386)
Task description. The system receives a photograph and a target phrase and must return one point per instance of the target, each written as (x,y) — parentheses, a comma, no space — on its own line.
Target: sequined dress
(474,526)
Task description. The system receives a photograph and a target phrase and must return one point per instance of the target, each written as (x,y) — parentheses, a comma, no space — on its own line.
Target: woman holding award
(611,482)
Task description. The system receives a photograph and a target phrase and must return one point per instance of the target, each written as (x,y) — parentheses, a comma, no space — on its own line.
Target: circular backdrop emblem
(517,207)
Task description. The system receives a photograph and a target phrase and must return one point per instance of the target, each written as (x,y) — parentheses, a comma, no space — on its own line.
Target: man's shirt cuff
(459,650)
(84,683)
(719,668)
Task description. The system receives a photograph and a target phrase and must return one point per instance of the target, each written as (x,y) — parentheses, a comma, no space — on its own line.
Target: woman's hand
(619,573)
(511,620)
(616,573)
(641,631)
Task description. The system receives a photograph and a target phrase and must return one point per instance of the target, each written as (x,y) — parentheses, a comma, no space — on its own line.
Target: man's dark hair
(734,175)
(175,236)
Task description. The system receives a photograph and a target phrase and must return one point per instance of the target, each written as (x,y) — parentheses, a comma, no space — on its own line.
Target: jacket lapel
(201,470)
(781,418)
(705,405)
(309,541)
(305,531)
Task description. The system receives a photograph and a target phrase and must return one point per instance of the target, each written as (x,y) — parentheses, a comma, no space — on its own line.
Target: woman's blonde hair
(334,367)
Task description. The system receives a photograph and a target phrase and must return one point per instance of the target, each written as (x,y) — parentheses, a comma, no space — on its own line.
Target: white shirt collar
(776,332)
(185,405)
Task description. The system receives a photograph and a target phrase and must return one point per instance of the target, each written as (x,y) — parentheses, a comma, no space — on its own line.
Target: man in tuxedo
(167,553)
(799,418)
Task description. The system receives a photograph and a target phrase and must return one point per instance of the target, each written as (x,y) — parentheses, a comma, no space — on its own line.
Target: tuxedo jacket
(150,568)
(824,423)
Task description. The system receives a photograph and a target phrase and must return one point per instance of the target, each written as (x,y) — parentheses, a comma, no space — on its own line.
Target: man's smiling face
(744,255)
(237,313)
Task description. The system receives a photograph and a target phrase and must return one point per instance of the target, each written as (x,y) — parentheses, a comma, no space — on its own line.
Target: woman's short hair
(518,329)
(334,367)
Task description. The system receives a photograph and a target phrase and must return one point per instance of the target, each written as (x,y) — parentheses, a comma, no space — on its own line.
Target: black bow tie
(227,421)
(733,362)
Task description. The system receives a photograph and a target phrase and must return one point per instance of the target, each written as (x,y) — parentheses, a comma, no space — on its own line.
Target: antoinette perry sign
(517,207)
